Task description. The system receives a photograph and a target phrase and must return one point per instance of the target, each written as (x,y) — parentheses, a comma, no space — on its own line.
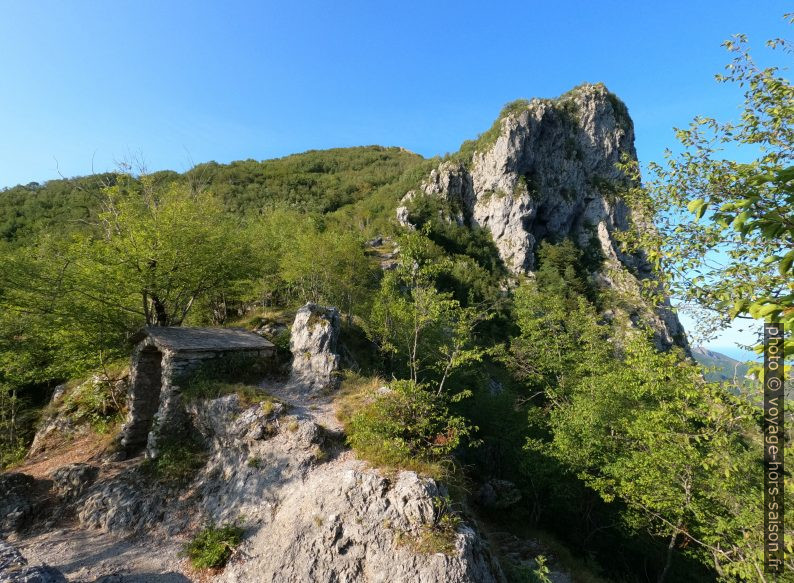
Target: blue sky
(86,84)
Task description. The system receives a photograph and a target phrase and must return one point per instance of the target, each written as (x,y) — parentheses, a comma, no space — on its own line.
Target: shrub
(178,460)
(520,573)
(97,403)
(212,546)
(405,426)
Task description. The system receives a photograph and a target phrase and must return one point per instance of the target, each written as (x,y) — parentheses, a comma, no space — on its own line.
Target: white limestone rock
(313,343)
(551,172)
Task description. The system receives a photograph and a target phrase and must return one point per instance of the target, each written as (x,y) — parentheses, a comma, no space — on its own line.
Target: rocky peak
(549,169)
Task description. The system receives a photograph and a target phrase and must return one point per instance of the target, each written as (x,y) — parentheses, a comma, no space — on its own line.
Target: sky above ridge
(86,84)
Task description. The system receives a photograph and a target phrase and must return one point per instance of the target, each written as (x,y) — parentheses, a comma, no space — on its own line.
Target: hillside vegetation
(546,380)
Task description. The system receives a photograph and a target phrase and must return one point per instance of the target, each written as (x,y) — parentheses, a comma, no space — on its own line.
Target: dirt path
(84,449)
(93,557)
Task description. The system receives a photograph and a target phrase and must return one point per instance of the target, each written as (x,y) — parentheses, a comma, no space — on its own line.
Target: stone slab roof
(183,339)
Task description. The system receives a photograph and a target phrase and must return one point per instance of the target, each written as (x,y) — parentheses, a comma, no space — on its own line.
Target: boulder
(14,568)
(314,345)
(72,480)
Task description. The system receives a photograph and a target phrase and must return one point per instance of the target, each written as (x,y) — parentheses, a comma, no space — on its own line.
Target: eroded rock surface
(313,343)
(552,171)
(346,523)
(14,568)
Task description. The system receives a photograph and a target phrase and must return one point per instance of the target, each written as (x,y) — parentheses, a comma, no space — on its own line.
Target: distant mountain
(720,367)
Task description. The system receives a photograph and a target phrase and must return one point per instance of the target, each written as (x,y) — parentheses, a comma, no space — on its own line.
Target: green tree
(636,425)
(427,332)
(152,253)
(725,228)
(329,267)
(167,247)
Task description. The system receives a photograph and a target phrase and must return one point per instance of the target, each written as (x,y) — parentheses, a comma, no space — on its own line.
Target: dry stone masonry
(162,358)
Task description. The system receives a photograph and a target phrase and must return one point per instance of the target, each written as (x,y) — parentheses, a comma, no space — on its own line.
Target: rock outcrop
(550,169)
(311,511)
(70,481)
(17,501)
(14,568)
(351,524)
(313,343)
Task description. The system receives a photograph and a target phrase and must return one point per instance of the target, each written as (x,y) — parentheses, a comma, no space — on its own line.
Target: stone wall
(158,372)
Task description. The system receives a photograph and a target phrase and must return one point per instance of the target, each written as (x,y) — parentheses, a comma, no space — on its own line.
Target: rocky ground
(310,510)
(306,520)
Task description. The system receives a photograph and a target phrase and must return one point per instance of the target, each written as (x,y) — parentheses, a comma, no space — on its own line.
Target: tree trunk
(669,557)
(160,312)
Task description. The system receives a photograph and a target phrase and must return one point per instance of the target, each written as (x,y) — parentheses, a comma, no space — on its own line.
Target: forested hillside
(319,182)
(504,328)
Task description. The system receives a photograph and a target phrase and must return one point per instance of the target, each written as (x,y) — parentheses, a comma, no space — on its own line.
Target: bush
(213,546)
(97,402)
(178,460)
(520,573)
(407,426)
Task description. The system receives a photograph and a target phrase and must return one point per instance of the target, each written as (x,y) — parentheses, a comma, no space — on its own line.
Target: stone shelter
(165,356)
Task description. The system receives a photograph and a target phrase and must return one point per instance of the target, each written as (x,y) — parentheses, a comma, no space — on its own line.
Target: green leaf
(785,263)
(697,206)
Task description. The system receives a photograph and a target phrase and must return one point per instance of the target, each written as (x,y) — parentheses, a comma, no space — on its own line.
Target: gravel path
(90,556)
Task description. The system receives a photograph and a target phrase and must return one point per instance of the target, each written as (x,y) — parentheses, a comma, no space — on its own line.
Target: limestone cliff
(550,169)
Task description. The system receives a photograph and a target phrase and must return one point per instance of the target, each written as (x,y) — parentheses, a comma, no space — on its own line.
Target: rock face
(17,503)
(313,343)
(14,568)
(347,526)
(549,169)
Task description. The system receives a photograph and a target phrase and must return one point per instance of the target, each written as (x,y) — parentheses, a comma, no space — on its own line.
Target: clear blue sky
(180,81)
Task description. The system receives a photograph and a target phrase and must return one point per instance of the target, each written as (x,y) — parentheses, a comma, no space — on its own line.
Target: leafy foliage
(313,182)
(97,402)
(725,227)
(637,425)
(329,267)
(426,331)
(213,545)
(404,425)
